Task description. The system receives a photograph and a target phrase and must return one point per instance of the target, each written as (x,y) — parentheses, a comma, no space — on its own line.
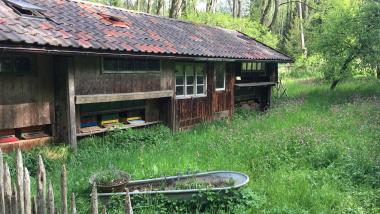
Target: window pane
(244,66)
(110,64)
(249,66)
(6,65)
(254,66)
(153,65)
(220,76)
(23,65)
(259,66)
(125,65)
(200,89)
(189,90)
(189,80)
(189,69)
(140,65)
(179,80)
(179,90)
(178,68)
(200,79)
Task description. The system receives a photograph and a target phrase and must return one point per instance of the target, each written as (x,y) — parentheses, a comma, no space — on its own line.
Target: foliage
(244,25)
(310,67)
(349,33)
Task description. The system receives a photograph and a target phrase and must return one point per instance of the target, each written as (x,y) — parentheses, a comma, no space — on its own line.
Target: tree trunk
(378,71)
(238,13)
(175,9)
(160,6)
(342,70)
(265,12)
(275,13)
(234,8)
(149,6)
(303,46)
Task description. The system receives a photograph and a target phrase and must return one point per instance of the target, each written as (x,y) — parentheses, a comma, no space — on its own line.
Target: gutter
(55,51)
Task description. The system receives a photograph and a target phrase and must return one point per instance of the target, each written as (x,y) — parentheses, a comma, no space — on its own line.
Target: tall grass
(315,151)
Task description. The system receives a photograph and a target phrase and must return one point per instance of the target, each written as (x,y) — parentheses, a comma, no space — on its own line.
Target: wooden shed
(71,68)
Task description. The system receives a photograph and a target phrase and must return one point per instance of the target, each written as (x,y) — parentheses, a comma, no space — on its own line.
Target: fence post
(27,201)
(50,199)
(73,205)
(41,186)
(128,205)
(7,189)
(94,199)
(63,190)
(20,181)
(14,199)
(34,205)
(2,202)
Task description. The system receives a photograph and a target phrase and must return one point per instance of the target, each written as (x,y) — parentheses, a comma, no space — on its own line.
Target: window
(128,65)
(220,76)
(26,9)
(15,65)
(253,67)
(190,79)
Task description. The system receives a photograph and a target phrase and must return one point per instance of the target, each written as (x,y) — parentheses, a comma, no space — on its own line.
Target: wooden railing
(17,198)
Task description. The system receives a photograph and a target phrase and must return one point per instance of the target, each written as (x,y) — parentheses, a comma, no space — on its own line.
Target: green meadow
(314,151)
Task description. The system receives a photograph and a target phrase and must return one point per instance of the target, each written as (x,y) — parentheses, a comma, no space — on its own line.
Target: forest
(335,38)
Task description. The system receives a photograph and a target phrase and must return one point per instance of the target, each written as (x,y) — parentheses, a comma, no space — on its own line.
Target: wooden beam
(103,98)
(72,130)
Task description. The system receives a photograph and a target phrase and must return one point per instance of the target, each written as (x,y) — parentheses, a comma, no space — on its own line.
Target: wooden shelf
(103,130)
(255,84)
(25,144)
(92,113)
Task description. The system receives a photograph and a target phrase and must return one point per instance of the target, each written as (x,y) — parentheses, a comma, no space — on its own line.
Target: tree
(175,9)
(210,6)
(349,34)
(160,7)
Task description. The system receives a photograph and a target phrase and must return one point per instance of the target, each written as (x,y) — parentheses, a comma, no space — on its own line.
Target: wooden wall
(89,79)
(27,99)
(217,104)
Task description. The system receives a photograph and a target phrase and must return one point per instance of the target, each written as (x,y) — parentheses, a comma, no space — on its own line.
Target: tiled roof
(74,24)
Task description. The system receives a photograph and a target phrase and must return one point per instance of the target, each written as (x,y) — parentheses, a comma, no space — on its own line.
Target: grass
(315,151)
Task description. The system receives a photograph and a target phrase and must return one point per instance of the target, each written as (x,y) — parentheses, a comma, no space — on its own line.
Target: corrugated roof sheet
(77,24)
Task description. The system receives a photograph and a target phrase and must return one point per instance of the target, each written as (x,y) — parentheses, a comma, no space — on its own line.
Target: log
(73,205)
(2,202)
(94,199)
(50,199)
(14,200)
(41,187)
(20,181)
(63,190)
(128,205)
(7,189)
(27,196)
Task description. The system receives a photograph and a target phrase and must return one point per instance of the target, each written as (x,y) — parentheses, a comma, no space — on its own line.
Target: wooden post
(50,199)
(73,205)
(27,201)
(71,105)
(2,202)
(20,181)
(7,189)
(14,199)
(41,186)
(128,205)
(94,199)
(63,190)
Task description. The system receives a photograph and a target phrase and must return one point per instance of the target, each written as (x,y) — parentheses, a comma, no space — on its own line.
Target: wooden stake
(63,190)
(2,202)
(20,181)
(50,199)
(15,199)
(27,201)
(128,205)
(94,199)
(7,189)
(34,205)
(41,186)
(73,205)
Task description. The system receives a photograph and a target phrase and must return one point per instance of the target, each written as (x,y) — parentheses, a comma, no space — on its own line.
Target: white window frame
(118,71)
(195,82)
(224,76)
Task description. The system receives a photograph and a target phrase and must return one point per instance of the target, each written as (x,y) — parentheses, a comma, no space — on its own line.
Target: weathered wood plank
(63,190)
(128,204)
(50,200)
(27,193)
(14,200)
(102,98)
(7,189)
(94,199)
(41,186)
(71,105)
(20,181)
(2,185)
(73,205)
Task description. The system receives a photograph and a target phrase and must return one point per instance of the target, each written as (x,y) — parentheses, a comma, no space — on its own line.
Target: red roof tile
(83,25)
